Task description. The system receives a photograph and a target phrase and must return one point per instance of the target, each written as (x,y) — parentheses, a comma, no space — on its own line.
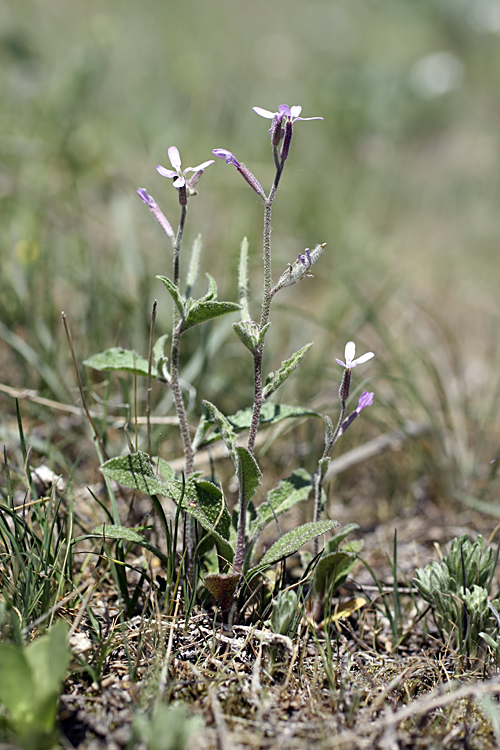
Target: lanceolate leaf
(291,542)
(290,491)
(225,429)
(122,360)
(200,311)
(270,414)
(286,369)
(249,473)
(118,533)
(333,570)
(174,293)
(135,471)
(201,499)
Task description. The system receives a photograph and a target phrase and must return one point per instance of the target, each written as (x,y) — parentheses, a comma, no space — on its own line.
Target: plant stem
(322,469)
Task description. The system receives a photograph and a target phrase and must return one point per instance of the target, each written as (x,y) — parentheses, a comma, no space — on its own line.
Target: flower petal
(349,352)
(264,113)
(340,362)
(295,111)
(175,158)
(200,166)
(228,157)
(166,172)
(363,358)
(179,182)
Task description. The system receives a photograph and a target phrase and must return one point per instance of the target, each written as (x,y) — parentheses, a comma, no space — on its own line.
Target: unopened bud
(345,385)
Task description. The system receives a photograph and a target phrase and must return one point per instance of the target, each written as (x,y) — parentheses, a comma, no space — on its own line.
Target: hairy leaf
(291,542)
(121,360)
(135,471)
(175,294)
(289,491)
(200,311)
(286,369)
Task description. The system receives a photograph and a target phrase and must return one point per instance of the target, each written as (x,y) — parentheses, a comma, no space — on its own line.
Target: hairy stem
(322,469)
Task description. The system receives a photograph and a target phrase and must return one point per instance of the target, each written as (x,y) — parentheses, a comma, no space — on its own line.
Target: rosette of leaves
(205,501)
(458,591)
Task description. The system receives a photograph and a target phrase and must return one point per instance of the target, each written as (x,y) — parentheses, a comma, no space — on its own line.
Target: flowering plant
(223,544)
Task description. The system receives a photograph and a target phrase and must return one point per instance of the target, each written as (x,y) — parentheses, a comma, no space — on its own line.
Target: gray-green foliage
(458,591)
(284,611)
(168,728)
(30,685)
(206,503)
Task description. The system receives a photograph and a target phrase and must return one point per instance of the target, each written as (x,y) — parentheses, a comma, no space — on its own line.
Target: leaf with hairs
(120,360)
(175,294)
(294,489)
(291,542)
(287,367)
(201,310)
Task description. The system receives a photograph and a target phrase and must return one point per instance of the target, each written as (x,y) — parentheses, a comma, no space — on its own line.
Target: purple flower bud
(345,385)
(230,158)
(366,399)
(287,140)
(156,211)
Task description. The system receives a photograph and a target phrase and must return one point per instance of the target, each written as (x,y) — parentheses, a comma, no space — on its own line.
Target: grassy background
(401,180)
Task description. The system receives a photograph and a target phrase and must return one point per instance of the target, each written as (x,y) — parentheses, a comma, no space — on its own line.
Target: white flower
(176,173)
(350,351)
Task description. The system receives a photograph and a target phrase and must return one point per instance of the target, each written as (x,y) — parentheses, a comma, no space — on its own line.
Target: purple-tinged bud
(366,399)
(345,385)
(276,131)
(156,211)
(183,196)
(287,140)
(191,185)
(230,158)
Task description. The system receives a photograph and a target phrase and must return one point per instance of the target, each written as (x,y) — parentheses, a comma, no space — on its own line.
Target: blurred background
(401,179)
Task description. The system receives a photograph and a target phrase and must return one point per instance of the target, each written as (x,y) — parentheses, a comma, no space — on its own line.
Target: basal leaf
(17,688)
(118,533)
(291,542)
(203,310)
(121,360)
(49,658)
(286,369)
(205,502)
(135,471)
(290,491)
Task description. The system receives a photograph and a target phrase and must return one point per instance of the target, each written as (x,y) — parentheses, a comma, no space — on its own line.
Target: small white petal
(264,112)
(340,362)
(362,359)
(200,166)
(166,172)
(175,158)
(349,352)
(179,182)
(296,110)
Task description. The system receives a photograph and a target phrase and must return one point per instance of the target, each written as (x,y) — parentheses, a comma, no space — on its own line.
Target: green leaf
(17,689)
(205,502)
(290,491)
(250,334)
(248,470)
(270,414)
(159,349)
(135,471)
(175,294)
(332,570)
(201,311)
(291,542)
(224,426)
(121,360)
(286,369)
(333,544)
(212,289)
(121,533)
(49,658)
